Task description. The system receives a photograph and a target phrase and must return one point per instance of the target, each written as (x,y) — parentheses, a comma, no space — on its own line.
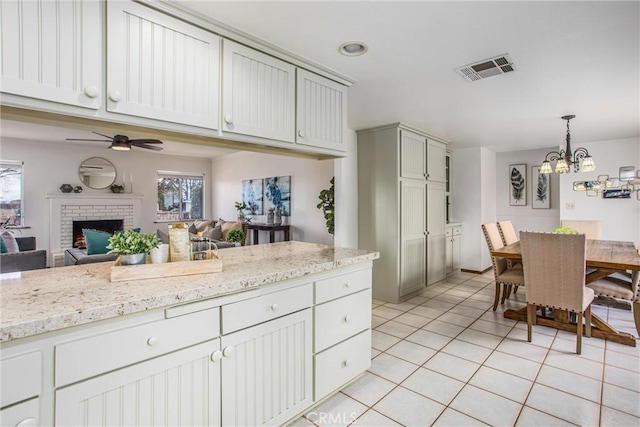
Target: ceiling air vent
(486,68)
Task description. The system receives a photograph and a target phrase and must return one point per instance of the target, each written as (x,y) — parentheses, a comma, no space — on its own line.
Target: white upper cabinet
(413,155)
(321,113)
(436,161)
(258,94)
(161,68)
(52,50)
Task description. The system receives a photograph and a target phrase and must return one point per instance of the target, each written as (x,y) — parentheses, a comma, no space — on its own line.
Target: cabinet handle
(228,119)
(91,91)
(301,133)
(27,422)
(216,356)
(115,95)
(427,175)
(347,285)
(228,351)
(274,307)
(152,341)
(346,363)
(346,318)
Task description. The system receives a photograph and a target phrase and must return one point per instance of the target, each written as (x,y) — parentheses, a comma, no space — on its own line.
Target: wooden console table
(271,228)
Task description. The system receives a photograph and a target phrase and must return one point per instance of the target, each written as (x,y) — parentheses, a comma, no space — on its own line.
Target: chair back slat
(554,269)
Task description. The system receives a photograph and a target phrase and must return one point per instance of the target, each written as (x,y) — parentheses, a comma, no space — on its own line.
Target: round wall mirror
(97,173)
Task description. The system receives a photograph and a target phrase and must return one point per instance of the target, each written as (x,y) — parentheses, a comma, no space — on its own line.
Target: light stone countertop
(41,301)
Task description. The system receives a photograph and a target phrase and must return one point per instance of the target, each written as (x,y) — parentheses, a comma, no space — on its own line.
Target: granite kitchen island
(280,328)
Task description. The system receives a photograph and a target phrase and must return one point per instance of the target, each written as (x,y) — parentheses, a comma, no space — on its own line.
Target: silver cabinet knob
(115,95)
(228,119)
(216,356)
(274,307)
(346,363)
(152,341)
(301,133)
(346,318)
(91,91)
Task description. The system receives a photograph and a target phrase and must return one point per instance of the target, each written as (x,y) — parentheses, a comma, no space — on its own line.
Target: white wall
(346,195)
(308,178)
(47,165)
(525,217)
(620,217)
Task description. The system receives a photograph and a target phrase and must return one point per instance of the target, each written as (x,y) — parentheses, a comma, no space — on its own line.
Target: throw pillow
(202,224)
(162,236)
(213,233)
(227,226)
(10,243)
(3,247)
(193,230)
(96,241)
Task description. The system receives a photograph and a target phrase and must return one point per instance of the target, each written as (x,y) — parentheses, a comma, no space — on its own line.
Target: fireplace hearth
(108,225)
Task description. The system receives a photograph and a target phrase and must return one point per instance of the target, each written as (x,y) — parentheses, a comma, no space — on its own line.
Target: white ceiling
(572,57)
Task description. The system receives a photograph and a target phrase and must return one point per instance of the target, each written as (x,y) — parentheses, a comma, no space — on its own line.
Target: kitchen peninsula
(282,327)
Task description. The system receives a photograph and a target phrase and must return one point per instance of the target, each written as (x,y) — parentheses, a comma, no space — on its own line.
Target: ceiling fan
(123,143)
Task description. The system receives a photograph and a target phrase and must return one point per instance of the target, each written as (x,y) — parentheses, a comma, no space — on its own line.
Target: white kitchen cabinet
(436,161)
(52,51)
(23,414)
(258,94)
(321,111)
(180,388)
(160,67)
(454,238)
(436,232)
(401,212)
(267,371)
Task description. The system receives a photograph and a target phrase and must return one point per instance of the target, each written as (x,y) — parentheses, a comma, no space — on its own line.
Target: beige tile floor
(444,358)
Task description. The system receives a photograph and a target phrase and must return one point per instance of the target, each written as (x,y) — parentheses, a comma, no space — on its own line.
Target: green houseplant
(240,207)
(132,246)
(235,236)
(326,205)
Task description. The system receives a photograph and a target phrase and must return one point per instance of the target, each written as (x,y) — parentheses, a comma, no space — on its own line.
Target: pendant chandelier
(580,159)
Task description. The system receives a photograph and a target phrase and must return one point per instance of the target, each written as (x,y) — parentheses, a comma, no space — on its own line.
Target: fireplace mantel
(64,208)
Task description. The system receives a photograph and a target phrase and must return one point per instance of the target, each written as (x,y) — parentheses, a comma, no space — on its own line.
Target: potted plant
(132,246)
(236,236)
(326,204)
(116,188)
(240,207)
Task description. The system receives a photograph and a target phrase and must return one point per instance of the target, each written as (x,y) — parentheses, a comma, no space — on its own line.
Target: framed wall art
(518,185)
(277,192)
(539,189)
(252,196)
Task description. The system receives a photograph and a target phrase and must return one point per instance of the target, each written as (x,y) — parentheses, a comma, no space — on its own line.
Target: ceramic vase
(133,259)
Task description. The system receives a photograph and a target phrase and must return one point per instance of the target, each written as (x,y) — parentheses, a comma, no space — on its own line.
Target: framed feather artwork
(518,185)
(540,185)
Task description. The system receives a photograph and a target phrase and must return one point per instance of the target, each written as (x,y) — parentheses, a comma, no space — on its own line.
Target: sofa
(77,256)
(28,257)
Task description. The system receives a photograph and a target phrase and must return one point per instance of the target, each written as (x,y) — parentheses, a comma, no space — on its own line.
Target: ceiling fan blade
(149,147)
(82,139)
(101,134)
(145,141)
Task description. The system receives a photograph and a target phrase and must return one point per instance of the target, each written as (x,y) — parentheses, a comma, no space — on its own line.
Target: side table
(271,228)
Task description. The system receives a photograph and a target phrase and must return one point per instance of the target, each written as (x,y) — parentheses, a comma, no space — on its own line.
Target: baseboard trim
(464,270)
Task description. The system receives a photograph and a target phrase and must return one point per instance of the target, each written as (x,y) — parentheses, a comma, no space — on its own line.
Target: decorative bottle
(270,216)
(277,216)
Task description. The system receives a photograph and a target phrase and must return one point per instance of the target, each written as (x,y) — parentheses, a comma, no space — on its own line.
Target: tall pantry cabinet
(402,208)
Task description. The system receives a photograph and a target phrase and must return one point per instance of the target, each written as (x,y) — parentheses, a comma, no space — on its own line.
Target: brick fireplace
(68,207)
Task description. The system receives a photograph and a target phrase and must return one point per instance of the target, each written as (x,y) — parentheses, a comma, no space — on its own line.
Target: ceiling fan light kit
(123,143)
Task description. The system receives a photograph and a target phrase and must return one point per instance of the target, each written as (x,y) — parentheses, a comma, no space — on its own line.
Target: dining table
(603,258)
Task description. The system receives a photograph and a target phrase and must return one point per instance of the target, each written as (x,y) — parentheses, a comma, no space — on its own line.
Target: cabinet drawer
(24,414)
(340,364)
(20,377)
(345,284)
(337,320)
(90,356)
(243,314)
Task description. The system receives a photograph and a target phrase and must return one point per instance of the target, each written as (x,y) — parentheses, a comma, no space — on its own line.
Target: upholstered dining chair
(590,228)
(504,277)
(509,236)
(554,270)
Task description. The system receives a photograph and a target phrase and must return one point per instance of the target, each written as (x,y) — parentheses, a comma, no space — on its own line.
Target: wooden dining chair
(504,277)
(554,270)
(590,228)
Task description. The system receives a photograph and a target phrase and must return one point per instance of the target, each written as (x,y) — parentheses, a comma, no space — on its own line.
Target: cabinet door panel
(181,388)
(27,413)
(160,67)
(413,155)
(52,50)
(258,96)
(455,252)
(412,236)
(436,252)
(436,162)
(321,113)
(267,378)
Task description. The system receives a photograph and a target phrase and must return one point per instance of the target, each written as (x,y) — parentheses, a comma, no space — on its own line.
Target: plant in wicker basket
(236,236)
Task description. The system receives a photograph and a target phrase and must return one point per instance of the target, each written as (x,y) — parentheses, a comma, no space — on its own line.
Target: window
(180,196)
(11,203)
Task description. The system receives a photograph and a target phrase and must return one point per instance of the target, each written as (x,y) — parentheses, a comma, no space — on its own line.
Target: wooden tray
(121,273)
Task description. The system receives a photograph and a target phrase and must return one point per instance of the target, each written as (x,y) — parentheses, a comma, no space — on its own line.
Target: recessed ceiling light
(353,48)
